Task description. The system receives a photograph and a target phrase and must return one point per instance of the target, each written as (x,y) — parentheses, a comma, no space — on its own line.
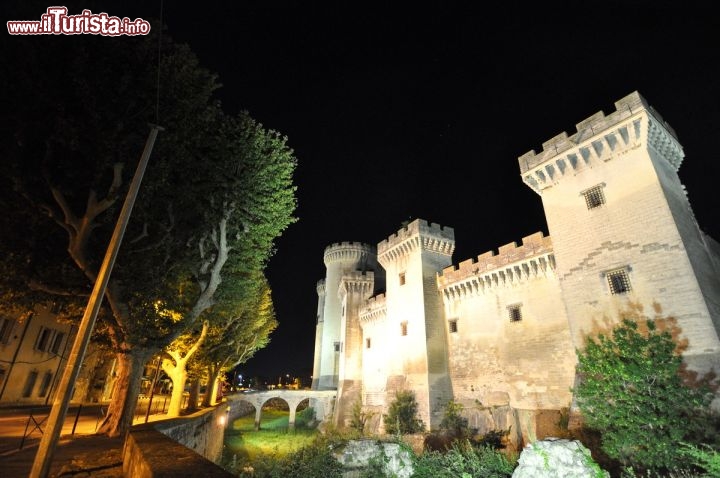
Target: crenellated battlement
(417,234)
(361,282)
(511,264)
(347,252)
(601,137)
(375,308)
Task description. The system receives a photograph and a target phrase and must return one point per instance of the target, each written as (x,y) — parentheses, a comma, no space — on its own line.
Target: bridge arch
(321,401)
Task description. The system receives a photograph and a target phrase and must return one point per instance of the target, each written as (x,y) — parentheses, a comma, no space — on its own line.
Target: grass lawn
(273,438)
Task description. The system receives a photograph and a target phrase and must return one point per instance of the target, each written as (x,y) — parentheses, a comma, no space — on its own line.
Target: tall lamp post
(44,455)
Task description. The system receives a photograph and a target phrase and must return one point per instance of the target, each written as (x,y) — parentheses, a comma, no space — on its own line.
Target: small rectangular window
(367,343)
(57,343)
(43,339)
(452,326)
(594,197)
(618,281)
(401,278)
(515,313)
(337,346)
(403,329)
(45,384)
(30,383)
(6,328)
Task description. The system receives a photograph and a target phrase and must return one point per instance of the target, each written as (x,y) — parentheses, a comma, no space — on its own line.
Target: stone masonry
(498,333)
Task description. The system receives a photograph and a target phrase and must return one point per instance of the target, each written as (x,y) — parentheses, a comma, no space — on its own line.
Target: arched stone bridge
(321,401)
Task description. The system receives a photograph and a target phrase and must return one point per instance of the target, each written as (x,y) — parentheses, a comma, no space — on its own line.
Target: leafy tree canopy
(217,192)
(632,392)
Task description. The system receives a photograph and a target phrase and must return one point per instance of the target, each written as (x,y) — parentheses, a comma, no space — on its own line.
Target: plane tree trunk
(119,416)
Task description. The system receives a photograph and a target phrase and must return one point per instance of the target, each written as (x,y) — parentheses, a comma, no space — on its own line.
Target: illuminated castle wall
(498,333)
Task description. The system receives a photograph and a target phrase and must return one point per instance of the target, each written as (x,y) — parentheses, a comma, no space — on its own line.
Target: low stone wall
(179,447)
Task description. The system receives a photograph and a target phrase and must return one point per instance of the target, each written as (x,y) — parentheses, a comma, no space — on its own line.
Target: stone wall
(499,333)
(186,446)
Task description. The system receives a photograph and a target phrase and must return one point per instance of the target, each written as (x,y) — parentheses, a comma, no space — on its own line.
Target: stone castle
(499,333)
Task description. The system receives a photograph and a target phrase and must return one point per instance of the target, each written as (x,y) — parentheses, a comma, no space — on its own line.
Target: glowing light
(167,313)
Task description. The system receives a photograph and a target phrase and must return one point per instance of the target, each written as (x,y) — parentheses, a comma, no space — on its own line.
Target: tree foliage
(402,417)
(240,326)
(632,392)
(217,192)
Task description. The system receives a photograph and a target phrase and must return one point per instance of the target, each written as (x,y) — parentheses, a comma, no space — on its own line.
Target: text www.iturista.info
(56,21)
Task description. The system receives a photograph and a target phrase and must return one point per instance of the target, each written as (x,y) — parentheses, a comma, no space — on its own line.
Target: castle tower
(318,333)
(623,232)
(355,288)
(340,259)
(417,358)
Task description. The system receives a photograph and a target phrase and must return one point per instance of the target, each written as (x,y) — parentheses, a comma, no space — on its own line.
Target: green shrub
(453,423)
(401,418)
(703,457)
(313,461)
(305,418)
(359,418)
(494,439)
(631,391)
(463,461)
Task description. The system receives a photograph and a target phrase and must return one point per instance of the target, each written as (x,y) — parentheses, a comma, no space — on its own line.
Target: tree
(402,417)
(177,356)
(632,392)
(241,327)
(216,194)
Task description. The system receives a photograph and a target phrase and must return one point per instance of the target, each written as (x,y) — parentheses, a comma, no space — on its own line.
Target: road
(23,426)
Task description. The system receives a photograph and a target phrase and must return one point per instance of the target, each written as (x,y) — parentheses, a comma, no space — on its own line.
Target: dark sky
(416,111)
(398,113)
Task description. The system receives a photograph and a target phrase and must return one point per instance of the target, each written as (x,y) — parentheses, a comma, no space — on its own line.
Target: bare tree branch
(112,194)
(34,284)
(142,235)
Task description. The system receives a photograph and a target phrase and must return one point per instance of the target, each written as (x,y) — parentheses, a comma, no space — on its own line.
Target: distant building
(498,333)
(33,355)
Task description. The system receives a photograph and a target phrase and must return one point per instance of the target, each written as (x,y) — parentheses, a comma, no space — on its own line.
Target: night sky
(405,112)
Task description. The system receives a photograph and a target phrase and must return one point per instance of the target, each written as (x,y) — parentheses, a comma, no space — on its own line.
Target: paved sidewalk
(80,454)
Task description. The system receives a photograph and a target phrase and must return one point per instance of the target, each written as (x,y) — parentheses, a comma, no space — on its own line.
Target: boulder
(557,458)
(357,454)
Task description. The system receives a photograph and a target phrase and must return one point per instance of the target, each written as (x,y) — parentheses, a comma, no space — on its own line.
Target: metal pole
(77,416)
(152,388)
(44,455)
